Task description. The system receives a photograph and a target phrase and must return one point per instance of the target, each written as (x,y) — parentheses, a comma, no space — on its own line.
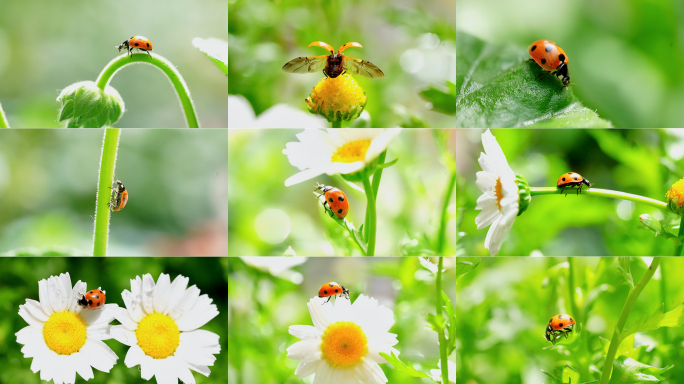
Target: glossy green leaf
(626,371)
(463,267)
(673,318)
(497,87)
(403,368)
(441,100)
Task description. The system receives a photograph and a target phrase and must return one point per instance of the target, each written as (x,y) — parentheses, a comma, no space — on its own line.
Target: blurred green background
(46,46)
(263,305)
(265,217)
(176,181)
(625,56)
(641,162)
(20,282)
(505,303)
(413,42)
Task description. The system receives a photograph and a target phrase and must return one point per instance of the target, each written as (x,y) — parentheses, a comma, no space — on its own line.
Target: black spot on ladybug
(548,48)
(543,61)
(561,57)
(564,179)
(148,45)
(339,210)
(325,292)
(136,44)
(560,325)
(533,48)
(330,199)
(574,178)
(336,290)
(98,304)
(340,198)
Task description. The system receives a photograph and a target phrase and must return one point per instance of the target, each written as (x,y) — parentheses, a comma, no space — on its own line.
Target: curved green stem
(571,290)
(619,327)
(165,66)
(372,219)
(535,191)
(337,124)
(444,366)
(104,193)
(3,119)
(678,250)
(441,239)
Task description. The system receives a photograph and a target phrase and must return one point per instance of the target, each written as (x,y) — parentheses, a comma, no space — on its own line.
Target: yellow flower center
(344,345)
(158,335)
(676,193)
(498,193)
(351,152)
(64,333)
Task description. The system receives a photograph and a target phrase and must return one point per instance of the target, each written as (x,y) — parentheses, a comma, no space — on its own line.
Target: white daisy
(344,344)
(63,338)
(339,150)
(499,201)
(160,323)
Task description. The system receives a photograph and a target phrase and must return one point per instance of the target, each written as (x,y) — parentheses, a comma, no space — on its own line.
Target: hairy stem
(165,66)
(104,193)
(536,191)
(372,220)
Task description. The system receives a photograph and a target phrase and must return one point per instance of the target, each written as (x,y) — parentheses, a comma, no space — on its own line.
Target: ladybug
(92,300)
(331,289)
(572,179)
(335,200)
(559,325)
(119,198)
(552,58)
(136,42)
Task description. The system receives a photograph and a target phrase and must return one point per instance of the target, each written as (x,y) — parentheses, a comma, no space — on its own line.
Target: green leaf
(451,323)
(674,318)
(626,370)
(403,368)
(658,229)
(441,100)
(387,165)
(407,118)
(565,375)
(215,49)
(625,271)
(496,87)
(463,267)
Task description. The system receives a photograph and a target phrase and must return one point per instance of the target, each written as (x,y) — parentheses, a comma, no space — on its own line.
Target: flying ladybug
(334,64)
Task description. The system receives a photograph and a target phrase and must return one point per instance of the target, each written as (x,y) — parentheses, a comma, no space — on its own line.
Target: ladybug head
(566,80)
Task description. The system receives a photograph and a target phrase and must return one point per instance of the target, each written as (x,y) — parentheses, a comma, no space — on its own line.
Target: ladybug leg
(148,52)
(545,73)
(562,190)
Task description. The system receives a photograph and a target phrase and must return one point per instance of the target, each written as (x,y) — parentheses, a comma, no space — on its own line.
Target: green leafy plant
(496,87)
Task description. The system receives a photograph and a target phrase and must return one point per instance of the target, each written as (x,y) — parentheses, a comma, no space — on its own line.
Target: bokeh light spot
(272,226)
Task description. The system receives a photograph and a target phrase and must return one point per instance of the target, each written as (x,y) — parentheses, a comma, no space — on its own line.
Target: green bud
(85,105)
(524,197)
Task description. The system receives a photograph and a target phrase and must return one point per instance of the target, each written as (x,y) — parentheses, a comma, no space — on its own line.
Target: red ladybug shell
(94,299)
(140,42)
(547,54)
(561,321)
(120,198)
(337,201)
(331,289)
(571,178)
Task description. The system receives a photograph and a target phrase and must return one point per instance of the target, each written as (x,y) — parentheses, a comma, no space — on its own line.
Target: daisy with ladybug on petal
(63,337)
(344,344)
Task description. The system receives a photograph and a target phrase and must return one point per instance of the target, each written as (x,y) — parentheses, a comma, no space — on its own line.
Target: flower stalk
(536,191)
(619,327)
(444,366)
(372,219)
(102,213)
(3,119)
(678,250)
(165,66)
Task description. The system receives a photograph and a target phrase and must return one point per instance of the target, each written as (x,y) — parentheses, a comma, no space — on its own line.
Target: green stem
(372,221)
(165,66)
(663,297)
(678,250)
(535,191)
(571,290)
(376,185)
(337,124)
(438,312)
(441,240)
(104,193)
(619,327)
(3,119)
